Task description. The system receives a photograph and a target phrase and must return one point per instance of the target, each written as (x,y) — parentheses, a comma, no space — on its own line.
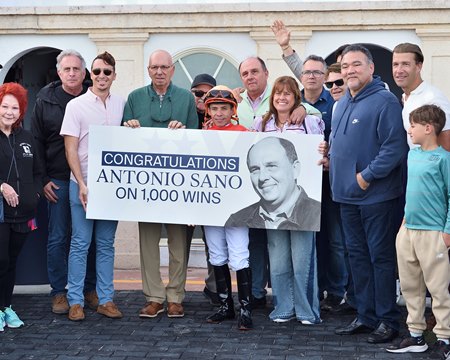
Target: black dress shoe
(382,334)
(212,297)
(259,303)
(355,327)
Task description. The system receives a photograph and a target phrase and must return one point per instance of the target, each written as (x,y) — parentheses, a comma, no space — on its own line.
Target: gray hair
(316,58)
(69,52)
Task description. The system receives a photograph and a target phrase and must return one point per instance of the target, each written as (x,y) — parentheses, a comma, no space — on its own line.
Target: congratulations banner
(204,177)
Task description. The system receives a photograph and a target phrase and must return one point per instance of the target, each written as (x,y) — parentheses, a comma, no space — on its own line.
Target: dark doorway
(33,71)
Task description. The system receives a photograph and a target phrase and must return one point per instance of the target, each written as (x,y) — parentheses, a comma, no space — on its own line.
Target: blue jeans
(259,261)
(83,230)
(370,238)
(337,273)
(333,272)
(293,274)
(59,222)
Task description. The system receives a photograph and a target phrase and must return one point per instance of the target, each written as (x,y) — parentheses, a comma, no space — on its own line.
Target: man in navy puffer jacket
(368,148)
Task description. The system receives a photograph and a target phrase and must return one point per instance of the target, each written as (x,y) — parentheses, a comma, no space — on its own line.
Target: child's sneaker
(11,318)
(2,321)
(409,344)
(441,350)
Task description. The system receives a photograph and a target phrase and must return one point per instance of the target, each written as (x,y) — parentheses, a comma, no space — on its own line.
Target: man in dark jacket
(46,123)
(368,147)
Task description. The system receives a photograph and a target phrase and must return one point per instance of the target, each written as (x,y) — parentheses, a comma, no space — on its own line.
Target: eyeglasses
(163,68)
(314,73)
(339,82)
(199,93)
(97,72)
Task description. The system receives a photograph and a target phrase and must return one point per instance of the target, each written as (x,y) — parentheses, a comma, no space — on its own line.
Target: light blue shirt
(427,192)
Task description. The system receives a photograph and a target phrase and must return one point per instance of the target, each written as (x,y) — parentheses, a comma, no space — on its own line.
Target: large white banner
(204,177)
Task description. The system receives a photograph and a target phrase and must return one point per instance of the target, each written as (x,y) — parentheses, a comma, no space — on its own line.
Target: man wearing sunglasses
(339,281)
(161,105)
(200,86)
(96,107)
(46,120)
(334,81)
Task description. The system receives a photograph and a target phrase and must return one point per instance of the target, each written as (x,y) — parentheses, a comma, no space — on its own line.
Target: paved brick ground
(49,336)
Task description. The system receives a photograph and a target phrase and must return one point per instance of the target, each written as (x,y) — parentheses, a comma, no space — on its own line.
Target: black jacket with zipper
(46,121)
(20,168)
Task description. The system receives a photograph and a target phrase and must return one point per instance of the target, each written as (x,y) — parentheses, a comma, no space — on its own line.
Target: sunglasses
(97,72)
(339,82)
(199,93)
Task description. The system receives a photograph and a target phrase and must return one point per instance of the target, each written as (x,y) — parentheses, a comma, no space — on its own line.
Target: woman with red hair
(20,188)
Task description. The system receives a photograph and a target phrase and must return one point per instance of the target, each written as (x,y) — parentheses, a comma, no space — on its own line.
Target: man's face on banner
(272,174)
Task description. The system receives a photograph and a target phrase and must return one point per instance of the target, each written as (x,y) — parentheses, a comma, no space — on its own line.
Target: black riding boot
(224,292)
(244,282)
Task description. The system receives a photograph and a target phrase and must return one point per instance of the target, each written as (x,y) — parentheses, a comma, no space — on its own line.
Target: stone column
(436,51)
(128,50)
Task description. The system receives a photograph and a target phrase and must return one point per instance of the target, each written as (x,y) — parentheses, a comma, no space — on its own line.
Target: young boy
(423,240)
(228,245)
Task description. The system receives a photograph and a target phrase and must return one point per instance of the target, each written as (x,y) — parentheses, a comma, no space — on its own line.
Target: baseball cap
(203,79)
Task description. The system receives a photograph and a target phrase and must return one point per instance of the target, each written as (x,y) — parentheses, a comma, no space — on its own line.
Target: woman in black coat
(20,187)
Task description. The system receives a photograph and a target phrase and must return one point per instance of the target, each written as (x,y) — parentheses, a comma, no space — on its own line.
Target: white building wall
(131,30)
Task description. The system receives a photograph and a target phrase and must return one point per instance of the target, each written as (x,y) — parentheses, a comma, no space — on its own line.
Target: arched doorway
(33,70)
(382,58)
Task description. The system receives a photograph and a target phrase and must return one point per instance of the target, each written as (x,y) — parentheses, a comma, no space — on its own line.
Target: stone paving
(49,336)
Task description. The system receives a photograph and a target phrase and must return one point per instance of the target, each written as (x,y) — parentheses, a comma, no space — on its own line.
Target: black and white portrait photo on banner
(197,177)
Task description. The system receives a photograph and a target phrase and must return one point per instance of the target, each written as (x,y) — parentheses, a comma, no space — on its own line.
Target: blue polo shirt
(325,105)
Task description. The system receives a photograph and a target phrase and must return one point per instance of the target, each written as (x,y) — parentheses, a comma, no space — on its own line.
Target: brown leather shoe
(91,300)
(110,310)
(151,310)
(60,304)
(76,313)
(175,310)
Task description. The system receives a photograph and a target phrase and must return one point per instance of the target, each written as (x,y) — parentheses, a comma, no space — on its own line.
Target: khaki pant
(153,286)
(423,263)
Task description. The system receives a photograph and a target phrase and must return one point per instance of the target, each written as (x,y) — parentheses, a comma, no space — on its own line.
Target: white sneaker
(307,322)
(283,320)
